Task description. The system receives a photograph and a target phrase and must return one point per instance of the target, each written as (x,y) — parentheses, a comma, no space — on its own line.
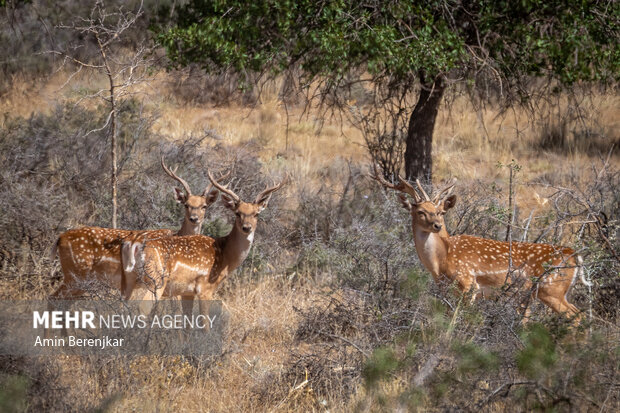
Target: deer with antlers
(484,265)
(93,253)
(194,266)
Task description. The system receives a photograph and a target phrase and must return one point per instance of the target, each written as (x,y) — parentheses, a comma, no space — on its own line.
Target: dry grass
(260,336)
(468,143)
(262,307)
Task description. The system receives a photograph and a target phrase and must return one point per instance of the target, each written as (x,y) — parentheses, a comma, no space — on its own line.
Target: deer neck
(234,248)
(188,229)
(432,249)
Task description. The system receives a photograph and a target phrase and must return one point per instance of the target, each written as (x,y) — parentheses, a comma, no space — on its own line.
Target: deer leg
(554,294)
(66,291)
(205,296)
(128,283)
(187,307)
(573,312)
(205,310)
(466,284)
(60,292)
(155,280)
(53,306)
(187,303)
(146,306)
(559,305)
(477,292)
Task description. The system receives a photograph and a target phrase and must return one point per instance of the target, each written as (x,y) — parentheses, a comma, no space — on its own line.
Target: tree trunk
(113,139)
(114,177)
(418,160)
(114,166)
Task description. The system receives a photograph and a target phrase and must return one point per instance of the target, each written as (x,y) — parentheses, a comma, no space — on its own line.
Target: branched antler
(223,188)
(447,190)
(266,194)
(210,185)
(174,176)
(402,185)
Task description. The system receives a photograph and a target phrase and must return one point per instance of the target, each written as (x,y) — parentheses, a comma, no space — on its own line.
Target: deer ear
(404,202)
(229,202)
(263,202)
(211,197)
(449,202)
(180,196)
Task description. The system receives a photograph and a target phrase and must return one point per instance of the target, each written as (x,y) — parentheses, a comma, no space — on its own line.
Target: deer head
(427,214)
(195,205)
(246,213)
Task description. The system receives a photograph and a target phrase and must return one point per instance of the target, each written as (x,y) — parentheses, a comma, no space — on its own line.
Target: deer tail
(128,254)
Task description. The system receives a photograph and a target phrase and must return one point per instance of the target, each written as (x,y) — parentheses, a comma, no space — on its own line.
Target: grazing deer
(93,253)
(484,264)
(194,266)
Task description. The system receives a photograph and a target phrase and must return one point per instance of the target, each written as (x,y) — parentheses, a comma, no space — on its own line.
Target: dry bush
(29,31)
(191,86)
(572,128)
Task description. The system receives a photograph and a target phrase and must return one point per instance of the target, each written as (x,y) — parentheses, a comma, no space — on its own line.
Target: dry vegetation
(332,309)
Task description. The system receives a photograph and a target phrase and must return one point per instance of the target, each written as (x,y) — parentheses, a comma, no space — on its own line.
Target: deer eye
(204,207)
(238,214)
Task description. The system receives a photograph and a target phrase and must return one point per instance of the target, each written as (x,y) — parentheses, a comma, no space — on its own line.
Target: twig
(346,340)
(500,388)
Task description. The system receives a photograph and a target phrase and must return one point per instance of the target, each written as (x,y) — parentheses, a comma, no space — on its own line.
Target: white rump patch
(128,254)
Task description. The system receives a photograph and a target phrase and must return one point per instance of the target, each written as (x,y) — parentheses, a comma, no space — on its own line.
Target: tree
(123,70)
(403,48)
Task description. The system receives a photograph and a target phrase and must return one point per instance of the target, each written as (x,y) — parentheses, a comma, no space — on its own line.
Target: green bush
(13,392)
(539,354)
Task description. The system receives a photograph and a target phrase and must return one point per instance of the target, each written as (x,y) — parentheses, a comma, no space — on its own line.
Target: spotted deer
(484,265)
(93,253)
(194,266)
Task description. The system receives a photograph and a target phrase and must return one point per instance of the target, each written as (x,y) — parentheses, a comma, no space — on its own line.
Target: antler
(174,176)
(402,186)
(267,192)
(222,188)
(210,186)
(426,197)
(447,190)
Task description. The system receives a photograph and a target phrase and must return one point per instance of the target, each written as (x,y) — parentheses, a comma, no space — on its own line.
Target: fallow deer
(93,253)
(194,266)
(484,265)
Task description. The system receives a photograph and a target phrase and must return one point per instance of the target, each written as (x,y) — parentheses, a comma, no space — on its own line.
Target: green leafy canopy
(567,40)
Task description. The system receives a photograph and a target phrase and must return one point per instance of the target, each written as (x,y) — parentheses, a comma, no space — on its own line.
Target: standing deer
(194,266)
(484,264)
(89,253)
